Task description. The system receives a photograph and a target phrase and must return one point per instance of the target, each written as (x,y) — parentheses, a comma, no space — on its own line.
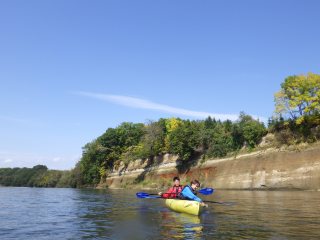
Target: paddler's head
(195,184)
(176,181)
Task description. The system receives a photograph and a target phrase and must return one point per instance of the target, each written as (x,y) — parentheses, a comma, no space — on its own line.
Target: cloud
(146,104)
(8,160)
(56,159)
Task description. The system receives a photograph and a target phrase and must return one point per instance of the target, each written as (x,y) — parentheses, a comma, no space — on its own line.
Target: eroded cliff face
(268,169)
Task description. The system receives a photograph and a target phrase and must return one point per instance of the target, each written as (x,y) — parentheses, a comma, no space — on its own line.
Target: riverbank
(268,169)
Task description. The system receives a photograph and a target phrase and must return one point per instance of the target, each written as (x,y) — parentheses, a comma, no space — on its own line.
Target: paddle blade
(206,191)
(142,194)
(147,195)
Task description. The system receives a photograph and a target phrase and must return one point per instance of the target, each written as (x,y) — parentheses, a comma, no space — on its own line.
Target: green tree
(252,130)
(181,139)
(93,156)
(153,142)
(100,155)
(219,141)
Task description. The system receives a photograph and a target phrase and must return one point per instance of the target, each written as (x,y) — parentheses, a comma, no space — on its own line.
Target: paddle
(147,195)
(204,191)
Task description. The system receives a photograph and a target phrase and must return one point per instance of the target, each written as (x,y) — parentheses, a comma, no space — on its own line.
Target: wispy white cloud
(56,159)
(8,160)
(146,104)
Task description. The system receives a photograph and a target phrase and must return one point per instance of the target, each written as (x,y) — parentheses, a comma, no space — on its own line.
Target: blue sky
(71,69)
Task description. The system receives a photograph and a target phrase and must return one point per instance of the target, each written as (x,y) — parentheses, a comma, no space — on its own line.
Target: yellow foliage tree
(171,125)
(299,96)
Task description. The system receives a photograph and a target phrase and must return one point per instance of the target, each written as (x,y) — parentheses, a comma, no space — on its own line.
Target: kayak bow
(184,206)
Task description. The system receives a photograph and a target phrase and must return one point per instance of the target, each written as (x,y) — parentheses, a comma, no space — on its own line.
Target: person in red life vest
(174,191)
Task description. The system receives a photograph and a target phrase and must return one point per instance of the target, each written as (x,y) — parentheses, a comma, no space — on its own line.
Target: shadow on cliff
(184,166)
(152,164)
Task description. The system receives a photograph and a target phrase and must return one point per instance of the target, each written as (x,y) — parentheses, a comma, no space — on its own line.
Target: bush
(290,132)
(284,136)
(315,133)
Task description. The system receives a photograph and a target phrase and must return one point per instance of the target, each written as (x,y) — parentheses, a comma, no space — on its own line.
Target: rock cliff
(267,169)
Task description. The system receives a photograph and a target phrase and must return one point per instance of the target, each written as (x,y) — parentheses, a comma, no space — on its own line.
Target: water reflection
(180,226)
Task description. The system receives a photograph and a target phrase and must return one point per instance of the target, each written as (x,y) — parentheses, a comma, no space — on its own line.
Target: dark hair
(176,178)
(196,182)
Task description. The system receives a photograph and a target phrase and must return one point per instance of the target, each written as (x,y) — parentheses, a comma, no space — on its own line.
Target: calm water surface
(35,213)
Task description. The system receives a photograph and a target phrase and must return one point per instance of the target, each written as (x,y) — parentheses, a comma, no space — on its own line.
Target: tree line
(38,176)
(185,138)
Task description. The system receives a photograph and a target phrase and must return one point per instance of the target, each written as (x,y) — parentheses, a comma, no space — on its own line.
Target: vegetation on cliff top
(131,141)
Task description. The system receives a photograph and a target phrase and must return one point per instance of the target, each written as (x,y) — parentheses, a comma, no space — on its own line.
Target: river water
(44,213)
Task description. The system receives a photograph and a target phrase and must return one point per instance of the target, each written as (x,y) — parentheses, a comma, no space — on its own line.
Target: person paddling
(190,192)
(174,191)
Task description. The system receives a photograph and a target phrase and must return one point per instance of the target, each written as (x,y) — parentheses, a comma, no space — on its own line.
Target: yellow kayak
(184,206)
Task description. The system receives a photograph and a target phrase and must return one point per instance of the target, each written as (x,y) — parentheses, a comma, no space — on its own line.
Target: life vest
(180,196)
(177,190)
(173,192)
